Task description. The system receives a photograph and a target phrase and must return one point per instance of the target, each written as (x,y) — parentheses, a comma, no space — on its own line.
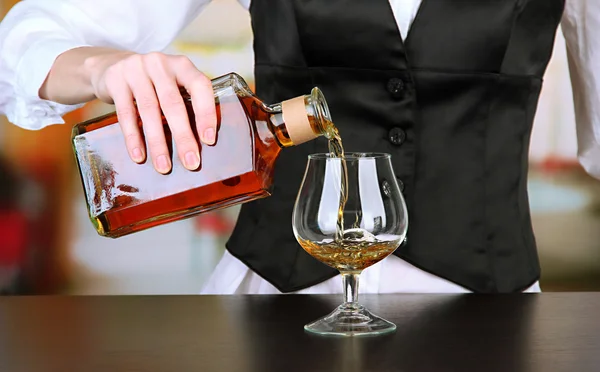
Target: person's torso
(453,103)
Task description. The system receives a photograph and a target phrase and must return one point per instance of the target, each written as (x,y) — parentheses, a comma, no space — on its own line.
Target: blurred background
(48,245)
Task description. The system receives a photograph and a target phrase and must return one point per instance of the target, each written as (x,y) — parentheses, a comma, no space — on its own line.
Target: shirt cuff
(29,110)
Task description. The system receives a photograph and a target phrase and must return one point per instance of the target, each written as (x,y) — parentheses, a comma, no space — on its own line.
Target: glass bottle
(124,197)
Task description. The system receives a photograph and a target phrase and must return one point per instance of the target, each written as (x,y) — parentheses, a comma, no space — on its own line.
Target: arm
(71,51)
(35,32)
(69,81)
(581,28)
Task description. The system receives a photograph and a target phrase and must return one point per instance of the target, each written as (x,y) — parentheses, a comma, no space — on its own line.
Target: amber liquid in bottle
(124,197)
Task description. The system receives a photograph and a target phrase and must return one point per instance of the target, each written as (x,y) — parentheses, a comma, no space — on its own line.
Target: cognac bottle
(124,197)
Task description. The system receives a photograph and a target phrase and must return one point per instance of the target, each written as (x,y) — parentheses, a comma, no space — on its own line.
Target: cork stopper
(296,120)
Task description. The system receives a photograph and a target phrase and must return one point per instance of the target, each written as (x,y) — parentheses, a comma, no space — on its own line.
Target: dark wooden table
(525,332)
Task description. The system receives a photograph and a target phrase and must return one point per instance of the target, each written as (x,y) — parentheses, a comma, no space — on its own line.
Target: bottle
(124,197)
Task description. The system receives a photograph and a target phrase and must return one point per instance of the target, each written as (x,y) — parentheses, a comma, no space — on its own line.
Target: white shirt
(35,32)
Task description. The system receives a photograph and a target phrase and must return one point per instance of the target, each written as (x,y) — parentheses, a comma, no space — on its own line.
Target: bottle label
(296,120)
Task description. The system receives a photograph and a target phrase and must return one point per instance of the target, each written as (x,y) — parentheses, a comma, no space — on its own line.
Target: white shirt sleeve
(581,29)
(35,32)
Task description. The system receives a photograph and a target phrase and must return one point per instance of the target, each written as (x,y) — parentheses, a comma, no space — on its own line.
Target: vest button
(397,136)
(396,87)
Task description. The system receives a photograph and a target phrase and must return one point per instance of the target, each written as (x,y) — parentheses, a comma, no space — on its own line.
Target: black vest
(454,105)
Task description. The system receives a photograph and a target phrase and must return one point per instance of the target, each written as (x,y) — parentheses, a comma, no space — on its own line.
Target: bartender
(448,87)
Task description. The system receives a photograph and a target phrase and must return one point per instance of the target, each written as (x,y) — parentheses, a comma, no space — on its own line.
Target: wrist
(68,80)
(94,66)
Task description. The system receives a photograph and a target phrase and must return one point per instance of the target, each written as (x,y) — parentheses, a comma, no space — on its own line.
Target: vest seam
(489,250)
(519,205)
(516,7)
(417,121)
(412,69)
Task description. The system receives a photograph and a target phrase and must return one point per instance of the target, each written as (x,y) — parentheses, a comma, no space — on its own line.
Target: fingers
(148,106)
(200,89)
(153,81)
(128,119)
(175,111)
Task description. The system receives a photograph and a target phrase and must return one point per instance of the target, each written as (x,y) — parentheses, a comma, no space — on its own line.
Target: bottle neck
(301,119)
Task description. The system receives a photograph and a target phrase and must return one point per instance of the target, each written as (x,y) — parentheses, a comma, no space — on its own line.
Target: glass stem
(350,282)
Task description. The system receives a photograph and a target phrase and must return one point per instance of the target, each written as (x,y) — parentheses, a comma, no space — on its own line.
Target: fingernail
(209,136)
(192,160)
(137,154)
(162,162)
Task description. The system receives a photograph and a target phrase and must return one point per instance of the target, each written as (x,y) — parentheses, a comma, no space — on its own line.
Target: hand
(153,81)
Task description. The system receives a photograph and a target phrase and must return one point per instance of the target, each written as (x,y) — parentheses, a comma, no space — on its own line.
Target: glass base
(350,320)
